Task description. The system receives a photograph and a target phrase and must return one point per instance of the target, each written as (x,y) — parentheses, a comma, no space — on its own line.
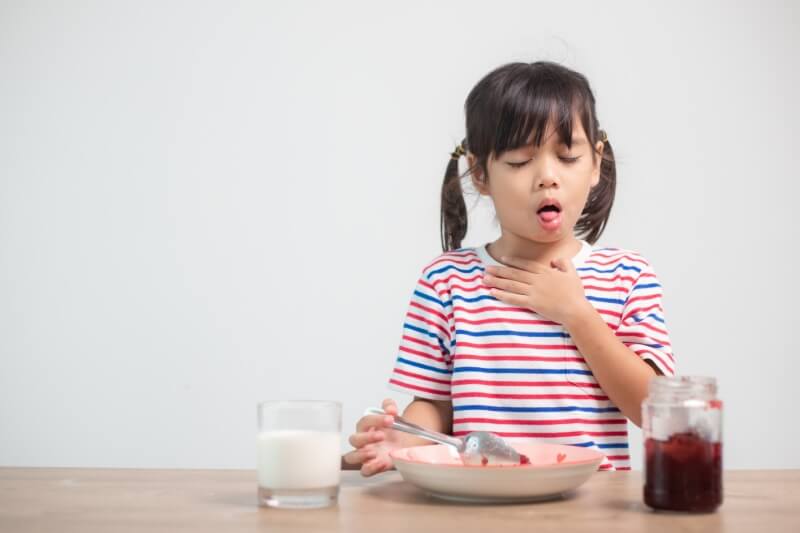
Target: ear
(477,176)
(597,162)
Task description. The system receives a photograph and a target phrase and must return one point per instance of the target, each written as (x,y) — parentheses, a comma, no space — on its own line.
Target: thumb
(389,406)
(564,265)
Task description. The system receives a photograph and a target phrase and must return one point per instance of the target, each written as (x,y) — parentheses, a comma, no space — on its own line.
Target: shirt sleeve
(424,364)
(642,326)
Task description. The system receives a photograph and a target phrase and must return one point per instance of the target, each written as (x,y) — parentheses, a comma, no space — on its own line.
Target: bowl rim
(598,458)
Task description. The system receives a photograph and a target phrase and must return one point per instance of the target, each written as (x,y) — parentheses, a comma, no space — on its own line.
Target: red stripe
(618,457)
(444,331)
(553,435)
(456,276)
(622,468)
(429,310)
(530,396)
(606,467)
(492,383)
(652,327)
(473,261)
(606,289)
(641,298)
(666,365)
(418,388)
(518,345)
(616,259)
(441,294)
(540,422)
(615,278)
(494,308)
(638,335)
(421,354)
(628,314)
(419,376)
(611,252)
(520,358)
(508,321)
(435,347)
(465,253)
(476,288)
(615,314)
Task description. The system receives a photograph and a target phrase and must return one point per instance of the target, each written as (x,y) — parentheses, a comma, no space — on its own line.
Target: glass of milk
(299,453)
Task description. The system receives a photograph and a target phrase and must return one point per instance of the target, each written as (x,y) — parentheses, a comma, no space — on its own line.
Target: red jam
(683,474)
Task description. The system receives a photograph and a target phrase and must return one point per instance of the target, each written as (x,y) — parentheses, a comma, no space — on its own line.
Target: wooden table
(224,501)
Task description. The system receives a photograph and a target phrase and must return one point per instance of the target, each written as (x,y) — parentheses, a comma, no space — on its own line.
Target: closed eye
(520,164)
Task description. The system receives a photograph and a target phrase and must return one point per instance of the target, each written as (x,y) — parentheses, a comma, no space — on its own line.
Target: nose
(546,180)
(545,173)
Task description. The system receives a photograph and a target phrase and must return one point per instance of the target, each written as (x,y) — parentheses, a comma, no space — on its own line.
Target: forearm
(430,414)
(622,374)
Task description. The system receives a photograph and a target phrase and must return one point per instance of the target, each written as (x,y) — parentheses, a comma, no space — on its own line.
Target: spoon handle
(401,424)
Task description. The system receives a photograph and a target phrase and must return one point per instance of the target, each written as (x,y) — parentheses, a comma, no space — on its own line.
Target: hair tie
(458,152)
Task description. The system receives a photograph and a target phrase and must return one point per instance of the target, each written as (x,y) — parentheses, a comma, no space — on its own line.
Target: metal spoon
(477,448)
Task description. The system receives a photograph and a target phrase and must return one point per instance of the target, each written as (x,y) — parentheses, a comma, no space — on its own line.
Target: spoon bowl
(476,448)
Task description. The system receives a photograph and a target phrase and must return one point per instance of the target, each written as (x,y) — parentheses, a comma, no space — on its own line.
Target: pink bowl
(554,470)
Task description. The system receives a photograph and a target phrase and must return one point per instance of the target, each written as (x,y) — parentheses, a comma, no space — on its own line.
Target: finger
(375,466)
(510,298)
(389,406)
(374,421)
(507,285)
(359,440)
(357,457)
(524,264)
(564,265)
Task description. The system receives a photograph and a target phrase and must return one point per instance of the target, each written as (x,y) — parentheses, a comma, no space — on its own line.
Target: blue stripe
(453,267)
(559,334)
(522,370)
(429,334)
(420,365)
(613,445)
(651,315)
(624,267)
(420,330)
(646,286)
(592,443)
(606,300)
(535,409)
(431,298)
(475,299)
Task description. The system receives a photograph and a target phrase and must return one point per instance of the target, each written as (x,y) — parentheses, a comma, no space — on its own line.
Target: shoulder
(461,261)
(618,259)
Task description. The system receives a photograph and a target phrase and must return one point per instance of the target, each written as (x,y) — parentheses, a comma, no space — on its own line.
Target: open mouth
(549,214)
(549,209)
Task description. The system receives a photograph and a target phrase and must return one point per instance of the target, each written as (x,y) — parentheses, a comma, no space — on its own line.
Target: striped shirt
(508,370)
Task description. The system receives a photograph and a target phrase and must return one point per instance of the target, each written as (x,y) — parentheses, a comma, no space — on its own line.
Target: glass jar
(682,425)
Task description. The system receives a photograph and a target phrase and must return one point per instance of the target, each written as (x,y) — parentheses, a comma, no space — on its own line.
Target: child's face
(521,180)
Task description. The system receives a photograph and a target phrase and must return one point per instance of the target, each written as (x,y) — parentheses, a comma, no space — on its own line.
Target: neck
(511,245)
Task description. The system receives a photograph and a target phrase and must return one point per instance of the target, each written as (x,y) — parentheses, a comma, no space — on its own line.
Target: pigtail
(595,214)
(453,221)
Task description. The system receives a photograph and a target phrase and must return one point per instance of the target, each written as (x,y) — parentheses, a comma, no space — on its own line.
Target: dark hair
(502,111)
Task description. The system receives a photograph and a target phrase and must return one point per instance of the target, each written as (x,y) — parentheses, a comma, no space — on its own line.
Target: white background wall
(203,205)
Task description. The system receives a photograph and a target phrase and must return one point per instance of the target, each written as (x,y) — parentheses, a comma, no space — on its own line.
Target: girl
(537,335)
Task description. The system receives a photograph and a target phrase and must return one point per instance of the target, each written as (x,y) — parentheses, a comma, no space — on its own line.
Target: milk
(295,459)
